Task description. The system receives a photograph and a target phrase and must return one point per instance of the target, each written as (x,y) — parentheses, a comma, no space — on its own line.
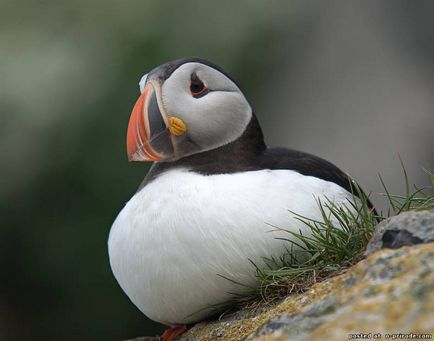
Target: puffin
(216,202)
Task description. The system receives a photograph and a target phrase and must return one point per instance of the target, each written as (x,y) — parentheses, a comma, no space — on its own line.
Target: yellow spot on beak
(177,126)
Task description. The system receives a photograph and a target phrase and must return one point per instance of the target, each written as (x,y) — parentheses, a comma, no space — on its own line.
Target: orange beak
(148,137)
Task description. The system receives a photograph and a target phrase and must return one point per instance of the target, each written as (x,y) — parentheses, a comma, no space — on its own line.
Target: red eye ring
(197,87)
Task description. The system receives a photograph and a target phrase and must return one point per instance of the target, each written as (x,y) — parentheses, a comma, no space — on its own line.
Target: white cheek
(215,119)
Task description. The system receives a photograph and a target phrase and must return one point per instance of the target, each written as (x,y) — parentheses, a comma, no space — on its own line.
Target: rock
(409,228)
(391,291)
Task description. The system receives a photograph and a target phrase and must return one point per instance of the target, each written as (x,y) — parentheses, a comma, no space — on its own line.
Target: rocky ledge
(390,292)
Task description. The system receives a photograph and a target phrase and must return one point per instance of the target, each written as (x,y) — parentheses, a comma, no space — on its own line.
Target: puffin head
(186,106)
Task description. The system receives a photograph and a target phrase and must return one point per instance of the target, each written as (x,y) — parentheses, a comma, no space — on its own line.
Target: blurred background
(350,81)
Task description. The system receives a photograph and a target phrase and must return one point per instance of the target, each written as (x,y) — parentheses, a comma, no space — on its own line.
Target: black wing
(306,164)
(303,163)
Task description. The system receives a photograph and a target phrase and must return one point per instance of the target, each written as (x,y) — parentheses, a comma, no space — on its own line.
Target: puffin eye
(197,88)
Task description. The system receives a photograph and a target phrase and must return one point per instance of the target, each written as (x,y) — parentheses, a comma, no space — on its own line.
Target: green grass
(335,243)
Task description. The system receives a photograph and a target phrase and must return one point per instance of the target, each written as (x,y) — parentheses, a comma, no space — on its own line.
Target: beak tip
(132,157)
(130,152)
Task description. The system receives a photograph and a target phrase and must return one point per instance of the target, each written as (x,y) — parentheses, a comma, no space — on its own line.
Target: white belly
(174,238)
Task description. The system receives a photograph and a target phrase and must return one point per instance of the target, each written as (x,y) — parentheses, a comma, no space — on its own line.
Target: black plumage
(249,153)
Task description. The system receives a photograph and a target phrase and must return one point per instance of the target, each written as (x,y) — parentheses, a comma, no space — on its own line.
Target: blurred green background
(318,74)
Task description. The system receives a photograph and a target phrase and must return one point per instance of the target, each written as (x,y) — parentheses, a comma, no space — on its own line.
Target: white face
(218,116)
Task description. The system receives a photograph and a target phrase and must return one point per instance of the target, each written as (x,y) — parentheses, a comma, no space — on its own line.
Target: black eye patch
(197,87)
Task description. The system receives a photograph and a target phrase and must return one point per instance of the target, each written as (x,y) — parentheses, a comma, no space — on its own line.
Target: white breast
(176,235)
